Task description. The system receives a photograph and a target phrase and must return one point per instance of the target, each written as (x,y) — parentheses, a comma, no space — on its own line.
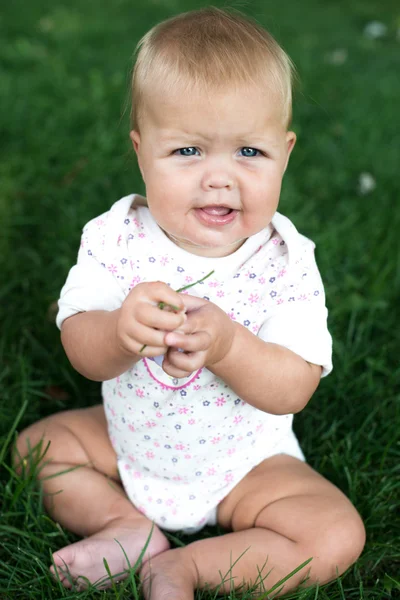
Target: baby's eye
(190,151)
(249,152)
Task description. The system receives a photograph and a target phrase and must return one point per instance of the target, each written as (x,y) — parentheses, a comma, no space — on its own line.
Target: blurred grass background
(65,157)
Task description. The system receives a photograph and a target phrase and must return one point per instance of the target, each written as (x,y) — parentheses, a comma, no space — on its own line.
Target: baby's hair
(209,50)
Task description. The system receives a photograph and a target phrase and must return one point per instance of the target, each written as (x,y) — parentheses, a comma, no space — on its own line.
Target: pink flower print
(142,235)
(260,428)
(220,293)
(275,241)
(188,279)
(135,280)
(238,419)
(196,387)
(179,446)
(127,467)
(131,458)
(177,478)
(216,440)
(261,280)
(187,456)
(239,439)
(232,316)
(191,421)
(214,283)
(282,273)
(99,222)
(211,471)
(140,393)
(149,499)
(150,454)
(255,329)
(231,451)
(158,414)
(156,444)
(229,477)
(112,268)
(220,401)
(118,379)
(137,475)
(150,424)
(164,260)
(253,298)
(183,410)
(112,411)
(119,240)
(302,297)
(131,427)
(169,502)
(136,222)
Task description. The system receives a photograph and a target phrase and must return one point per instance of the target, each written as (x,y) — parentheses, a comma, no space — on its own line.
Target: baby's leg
(282,513)
(80,480)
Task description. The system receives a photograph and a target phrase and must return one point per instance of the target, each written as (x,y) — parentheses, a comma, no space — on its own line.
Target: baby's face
(213,167)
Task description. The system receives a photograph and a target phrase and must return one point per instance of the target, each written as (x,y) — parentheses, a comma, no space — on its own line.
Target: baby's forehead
(244,109)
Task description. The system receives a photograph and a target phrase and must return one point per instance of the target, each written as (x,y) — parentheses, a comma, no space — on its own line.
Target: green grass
(65,157)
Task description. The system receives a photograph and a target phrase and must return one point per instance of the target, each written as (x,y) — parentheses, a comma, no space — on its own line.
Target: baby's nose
(218,179)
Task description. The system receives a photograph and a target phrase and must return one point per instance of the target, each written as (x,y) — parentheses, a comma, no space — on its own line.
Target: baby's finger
(157,291)
(193,302)
(133,340)
(189,343)
(186,362)
(172,371)
(153,316)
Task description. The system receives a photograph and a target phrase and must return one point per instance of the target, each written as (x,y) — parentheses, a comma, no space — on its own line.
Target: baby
(199,384)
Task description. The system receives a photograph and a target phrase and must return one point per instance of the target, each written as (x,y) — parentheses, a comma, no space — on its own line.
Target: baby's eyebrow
(251,138)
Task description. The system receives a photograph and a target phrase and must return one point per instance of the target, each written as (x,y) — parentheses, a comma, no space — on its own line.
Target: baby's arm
(103,344)
(269,376)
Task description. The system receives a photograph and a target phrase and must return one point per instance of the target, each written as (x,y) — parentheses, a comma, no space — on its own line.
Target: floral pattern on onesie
(183,444)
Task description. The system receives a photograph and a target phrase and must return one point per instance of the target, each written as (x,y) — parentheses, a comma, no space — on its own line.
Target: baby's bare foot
(84,559)
(171,575)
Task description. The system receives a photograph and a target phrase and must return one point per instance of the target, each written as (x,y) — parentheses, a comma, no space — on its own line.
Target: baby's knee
(47,440)
(339,544)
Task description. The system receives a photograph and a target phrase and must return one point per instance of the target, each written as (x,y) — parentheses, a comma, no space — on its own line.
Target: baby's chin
(208,250)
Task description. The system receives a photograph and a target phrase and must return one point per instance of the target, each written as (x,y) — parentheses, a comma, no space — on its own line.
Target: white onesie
(183,444)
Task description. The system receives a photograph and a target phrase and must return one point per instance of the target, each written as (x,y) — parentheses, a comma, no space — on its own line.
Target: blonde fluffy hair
(208,51)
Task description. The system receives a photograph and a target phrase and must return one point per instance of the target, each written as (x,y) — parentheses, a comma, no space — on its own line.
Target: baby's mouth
(217,210)
(216,216)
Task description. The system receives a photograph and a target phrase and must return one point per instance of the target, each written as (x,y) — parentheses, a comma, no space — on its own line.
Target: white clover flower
(366,183)
(375,30)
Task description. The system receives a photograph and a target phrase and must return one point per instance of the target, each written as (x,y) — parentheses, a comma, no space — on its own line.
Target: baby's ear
(290,142)
(135,138)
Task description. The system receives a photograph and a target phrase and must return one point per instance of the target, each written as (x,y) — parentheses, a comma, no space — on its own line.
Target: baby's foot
(171,575)
(85,558)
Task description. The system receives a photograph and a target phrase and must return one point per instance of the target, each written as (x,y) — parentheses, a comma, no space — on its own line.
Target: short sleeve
(90,285)
(298,321)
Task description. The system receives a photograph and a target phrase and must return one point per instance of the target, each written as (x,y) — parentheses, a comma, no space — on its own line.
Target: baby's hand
(142,325)
(205,338)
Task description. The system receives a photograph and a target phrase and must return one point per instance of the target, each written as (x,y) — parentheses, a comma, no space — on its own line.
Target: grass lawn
(65,157)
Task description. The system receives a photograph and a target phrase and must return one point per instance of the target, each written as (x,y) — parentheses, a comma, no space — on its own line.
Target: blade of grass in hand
(185,287)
